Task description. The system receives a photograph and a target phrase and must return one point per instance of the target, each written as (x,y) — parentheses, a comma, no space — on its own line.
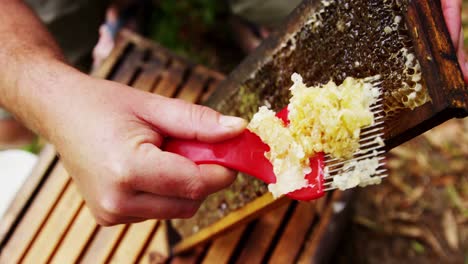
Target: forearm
(31,63)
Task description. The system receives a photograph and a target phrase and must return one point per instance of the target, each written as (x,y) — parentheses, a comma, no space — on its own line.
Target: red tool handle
(246,153)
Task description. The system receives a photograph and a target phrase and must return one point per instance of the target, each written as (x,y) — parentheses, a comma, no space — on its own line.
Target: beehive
(404,42)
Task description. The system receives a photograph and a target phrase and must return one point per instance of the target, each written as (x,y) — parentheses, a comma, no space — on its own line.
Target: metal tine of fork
(368,137)
(376,106)
(332,162)
(339,169)
(377,126)
(381,176)
(354,159)
(377,122)
(370,142)
(383,171)
(378,112)
(371,131)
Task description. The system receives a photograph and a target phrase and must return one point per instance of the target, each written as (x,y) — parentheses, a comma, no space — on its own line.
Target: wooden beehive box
(405,42)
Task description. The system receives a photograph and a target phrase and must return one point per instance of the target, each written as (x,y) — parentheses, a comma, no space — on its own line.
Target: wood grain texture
(26,193)
(292,239)
(76,239)
(192,257)
(111,61)
(193,88)
(36,216)
(222,249)
(172,78)
(137,236)
(440,71)
(55,227)
(232,220)
(158,250)
(102,246)
(130,67)
(151,73)
(321,241)
(261,238)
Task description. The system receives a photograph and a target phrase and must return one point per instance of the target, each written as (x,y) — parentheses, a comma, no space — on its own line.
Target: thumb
(183,120)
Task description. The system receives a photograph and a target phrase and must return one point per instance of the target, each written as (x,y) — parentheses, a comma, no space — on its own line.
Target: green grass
(182,25)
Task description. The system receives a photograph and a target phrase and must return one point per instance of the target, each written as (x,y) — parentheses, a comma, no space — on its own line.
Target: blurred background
(419,214)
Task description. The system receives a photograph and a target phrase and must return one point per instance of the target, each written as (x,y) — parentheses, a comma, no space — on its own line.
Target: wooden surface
(51,223)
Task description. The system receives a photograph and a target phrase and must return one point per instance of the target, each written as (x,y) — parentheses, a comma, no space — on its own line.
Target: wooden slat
(293,237)
(25,193)
(55,227)
(171,79)
(129,67)
(76,238)
(103,244)
(110,62)
(151,71)
(191,257)
(157,250)
(223,248)
(193,89)
(261,238)
(36,216)
(320,242)
(236,218)
(134,241)
(211,88)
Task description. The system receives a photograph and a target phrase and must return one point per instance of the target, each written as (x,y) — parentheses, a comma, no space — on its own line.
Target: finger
(166,174)
(180,119)
(150,206)
(119,220)
(107,219)
(216,178)
(461,55)
(452,14)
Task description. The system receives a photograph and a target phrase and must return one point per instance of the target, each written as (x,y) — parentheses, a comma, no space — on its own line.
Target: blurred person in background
(122,173)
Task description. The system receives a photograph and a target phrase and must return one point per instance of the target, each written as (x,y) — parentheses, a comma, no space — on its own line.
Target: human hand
(452,14)
(109,138)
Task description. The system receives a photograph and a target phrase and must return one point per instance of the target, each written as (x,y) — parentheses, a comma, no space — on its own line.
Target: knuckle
(196,191)
(113,205)
(122,173)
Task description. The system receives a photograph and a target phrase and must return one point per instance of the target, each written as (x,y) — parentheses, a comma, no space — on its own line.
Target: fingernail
(232,122)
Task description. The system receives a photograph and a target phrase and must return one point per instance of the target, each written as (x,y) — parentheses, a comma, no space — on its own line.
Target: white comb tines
(367,166)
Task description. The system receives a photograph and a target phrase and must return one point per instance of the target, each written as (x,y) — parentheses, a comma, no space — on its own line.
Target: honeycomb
(341,38)
(344,38)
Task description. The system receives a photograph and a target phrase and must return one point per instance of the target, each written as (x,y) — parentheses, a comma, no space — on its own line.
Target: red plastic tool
(246,153)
